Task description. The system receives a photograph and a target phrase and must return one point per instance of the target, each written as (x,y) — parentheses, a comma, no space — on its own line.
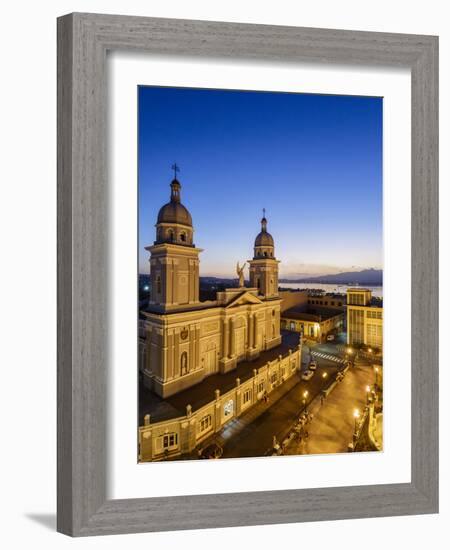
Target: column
(191,362)
(176,358)
(174,282)
(232,338)
(225,339)
(191,281)
(197,347)
(161,354)
(170,356)
(196,282)
(250,331)
(255,331)
(168,282)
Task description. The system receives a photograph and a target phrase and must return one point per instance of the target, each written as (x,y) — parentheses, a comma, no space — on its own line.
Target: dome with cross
(264,245)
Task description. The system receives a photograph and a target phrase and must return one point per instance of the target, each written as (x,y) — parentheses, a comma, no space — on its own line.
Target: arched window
(184,367)
(170,235)
(265,254)
(258,283)
(183,237)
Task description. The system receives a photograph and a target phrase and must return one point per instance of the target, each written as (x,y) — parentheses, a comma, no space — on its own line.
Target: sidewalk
(238,424)
(333,425)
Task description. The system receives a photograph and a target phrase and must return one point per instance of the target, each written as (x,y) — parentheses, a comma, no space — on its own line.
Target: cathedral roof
(264,239)
(174,211)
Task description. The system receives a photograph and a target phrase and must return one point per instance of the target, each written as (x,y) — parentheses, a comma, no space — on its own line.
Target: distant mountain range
(368,277)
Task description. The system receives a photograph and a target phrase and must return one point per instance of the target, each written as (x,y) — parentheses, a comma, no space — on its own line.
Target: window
(158,284)
(374,335)
(183,237)
(261,386)
(170,235)
(356,299)
(205,423)
(169,441)
(273,313)
(273,378)
(184,367)
(246,396)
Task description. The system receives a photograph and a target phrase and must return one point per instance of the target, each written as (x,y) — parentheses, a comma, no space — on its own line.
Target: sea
(377,291)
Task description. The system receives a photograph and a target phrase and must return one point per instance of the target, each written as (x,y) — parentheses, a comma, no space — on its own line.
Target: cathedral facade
(187,340)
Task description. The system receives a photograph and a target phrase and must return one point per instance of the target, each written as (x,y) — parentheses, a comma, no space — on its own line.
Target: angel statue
(240,272)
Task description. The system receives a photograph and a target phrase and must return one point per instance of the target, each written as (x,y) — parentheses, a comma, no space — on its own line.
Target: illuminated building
(364,318)
(187,340)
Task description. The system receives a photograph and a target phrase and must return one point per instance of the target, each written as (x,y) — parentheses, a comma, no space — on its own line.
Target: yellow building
(187,340)
(364,319)
(314,322)
(205,363)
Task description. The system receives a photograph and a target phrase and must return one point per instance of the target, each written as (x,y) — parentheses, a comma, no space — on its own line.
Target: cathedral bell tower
(264,266)
(174,259)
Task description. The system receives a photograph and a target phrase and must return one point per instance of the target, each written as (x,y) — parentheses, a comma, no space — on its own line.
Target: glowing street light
(367,394)
(324,375)
(305,395)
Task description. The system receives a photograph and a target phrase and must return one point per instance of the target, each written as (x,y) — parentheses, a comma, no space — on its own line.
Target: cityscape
(275,348)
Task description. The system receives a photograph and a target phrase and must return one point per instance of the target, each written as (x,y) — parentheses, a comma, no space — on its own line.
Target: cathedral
(186,340)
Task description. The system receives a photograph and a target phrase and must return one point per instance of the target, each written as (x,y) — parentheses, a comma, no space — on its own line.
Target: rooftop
(308,313)
(201,394)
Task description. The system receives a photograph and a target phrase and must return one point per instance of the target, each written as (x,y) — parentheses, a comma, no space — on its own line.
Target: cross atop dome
(264,221)
(175,169)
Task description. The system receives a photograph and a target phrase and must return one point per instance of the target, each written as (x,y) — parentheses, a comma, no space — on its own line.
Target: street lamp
(305,395)
(324,375)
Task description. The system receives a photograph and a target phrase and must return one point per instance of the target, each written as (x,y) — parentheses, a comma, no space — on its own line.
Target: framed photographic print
(247,261)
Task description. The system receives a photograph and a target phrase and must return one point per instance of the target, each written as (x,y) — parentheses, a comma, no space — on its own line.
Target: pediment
(244,299)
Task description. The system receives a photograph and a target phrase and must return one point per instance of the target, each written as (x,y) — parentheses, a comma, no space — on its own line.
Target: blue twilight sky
(313,161)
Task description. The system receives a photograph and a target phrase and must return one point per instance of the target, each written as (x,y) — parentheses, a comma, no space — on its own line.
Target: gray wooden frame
(83,41)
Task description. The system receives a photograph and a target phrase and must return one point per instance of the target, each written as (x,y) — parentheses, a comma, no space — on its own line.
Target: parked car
(307,375)
(312,365)
(330,338)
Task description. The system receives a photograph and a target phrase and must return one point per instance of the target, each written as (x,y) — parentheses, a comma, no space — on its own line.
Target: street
(255,438)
